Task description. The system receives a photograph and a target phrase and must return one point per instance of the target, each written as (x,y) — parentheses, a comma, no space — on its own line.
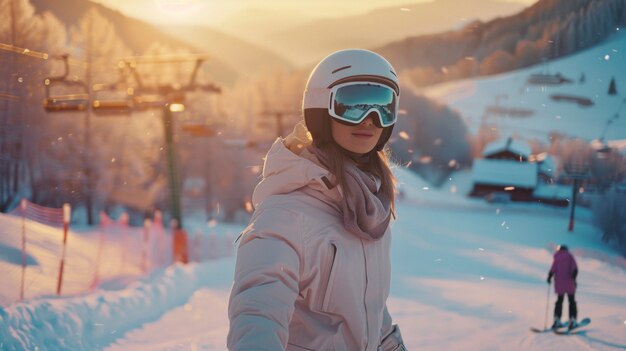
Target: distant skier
(564,270)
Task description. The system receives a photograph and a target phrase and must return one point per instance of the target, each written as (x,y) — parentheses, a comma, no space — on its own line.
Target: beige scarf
(366,211)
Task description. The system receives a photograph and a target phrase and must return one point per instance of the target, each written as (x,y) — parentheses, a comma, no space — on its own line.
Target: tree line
(547,30)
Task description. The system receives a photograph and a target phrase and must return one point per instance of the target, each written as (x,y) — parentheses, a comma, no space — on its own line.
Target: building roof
(517,147)
(553,192)
(504,173)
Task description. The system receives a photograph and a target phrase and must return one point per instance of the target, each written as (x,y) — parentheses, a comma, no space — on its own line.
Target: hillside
(307,43)
(579,107)
(548,29)
(232,57)
(246,58)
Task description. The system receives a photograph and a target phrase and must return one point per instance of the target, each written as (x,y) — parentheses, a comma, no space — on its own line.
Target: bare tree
(95,42)
(22,120)
(609,211)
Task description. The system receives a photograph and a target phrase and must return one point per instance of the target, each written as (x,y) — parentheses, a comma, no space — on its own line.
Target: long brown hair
(376,162)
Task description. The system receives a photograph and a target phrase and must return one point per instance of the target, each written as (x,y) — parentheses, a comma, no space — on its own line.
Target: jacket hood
(290,166)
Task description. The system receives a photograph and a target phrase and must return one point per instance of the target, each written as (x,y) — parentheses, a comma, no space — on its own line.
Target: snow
(505,172)
(467,275)
(507,144)
(472,98)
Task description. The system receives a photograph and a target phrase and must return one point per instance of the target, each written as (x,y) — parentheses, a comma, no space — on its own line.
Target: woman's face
(360,138)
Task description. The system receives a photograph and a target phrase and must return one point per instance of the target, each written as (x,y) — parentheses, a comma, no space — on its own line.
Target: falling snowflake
(425,159)
(404,135)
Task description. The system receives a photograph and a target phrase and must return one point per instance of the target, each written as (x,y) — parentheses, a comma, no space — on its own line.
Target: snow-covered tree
(95,42)
(609,211)
(24,128)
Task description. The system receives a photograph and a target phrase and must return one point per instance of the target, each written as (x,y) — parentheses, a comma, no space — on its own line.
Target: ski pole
(545,321)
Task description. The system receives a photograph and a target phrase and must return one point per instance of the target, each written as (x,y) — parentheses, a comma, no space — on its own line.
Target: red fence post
(144,256)
(160,238)
(123,225)
(179,236)
(104,222)
(23,209)
(66,223)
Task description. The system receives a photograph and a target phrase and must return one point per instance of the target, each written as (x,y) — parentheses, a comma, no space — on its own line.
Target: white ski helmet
(351,65)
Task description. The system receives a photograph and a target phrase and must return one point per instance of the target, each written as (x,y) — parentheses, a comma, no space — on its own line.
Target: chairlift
(76,101)
(197,129)
(65,102)
(109,100)
(148,101)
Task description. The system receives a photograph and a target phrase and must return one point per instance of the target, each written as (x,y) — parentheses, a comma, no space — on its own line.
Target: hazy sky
(209,12)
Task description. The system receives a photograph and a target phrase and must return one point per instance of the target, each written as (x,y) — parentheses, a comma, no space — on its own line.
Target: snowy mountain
(549,106)
(231,57)
(308,42)
(547,30)
(466,275)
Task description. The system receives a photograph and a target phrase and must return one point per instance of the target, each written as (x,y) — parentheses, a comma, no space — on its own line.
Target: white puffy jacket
(302,282)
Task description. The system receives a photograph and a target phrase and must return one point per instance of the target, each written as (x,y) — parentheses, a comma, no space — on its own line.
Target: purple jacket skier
(564,270)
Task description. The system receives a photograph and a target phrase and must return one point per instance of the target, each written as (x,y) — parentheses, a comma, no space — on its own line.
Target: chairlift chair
(109,100)
(197,129)
(148,101)
(77,102)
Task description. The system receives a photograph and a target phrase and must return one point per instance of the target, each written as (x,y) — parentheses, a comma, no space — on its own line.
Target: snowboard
(537,330)
(565,331)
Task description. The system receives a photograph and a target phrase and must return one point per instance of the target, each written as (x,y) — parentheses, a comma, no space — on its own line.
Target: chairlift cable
(24,51)
(9,97)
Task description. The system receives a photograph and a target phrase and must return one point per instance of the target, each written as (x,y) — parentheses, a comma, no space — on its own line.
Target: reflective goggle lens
(353,102)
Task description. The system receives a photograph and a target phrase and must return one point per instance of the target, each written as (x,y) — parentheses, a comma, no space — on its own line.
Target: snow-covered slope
(466,275)
(590,73)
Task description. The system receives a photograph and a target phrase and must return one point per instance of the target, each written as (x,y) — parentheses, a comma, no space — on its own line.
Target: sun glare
(177,7)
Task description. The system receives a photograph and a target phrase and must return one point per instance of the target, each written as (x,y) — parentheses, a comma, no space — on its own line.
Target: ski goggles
(352,102)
